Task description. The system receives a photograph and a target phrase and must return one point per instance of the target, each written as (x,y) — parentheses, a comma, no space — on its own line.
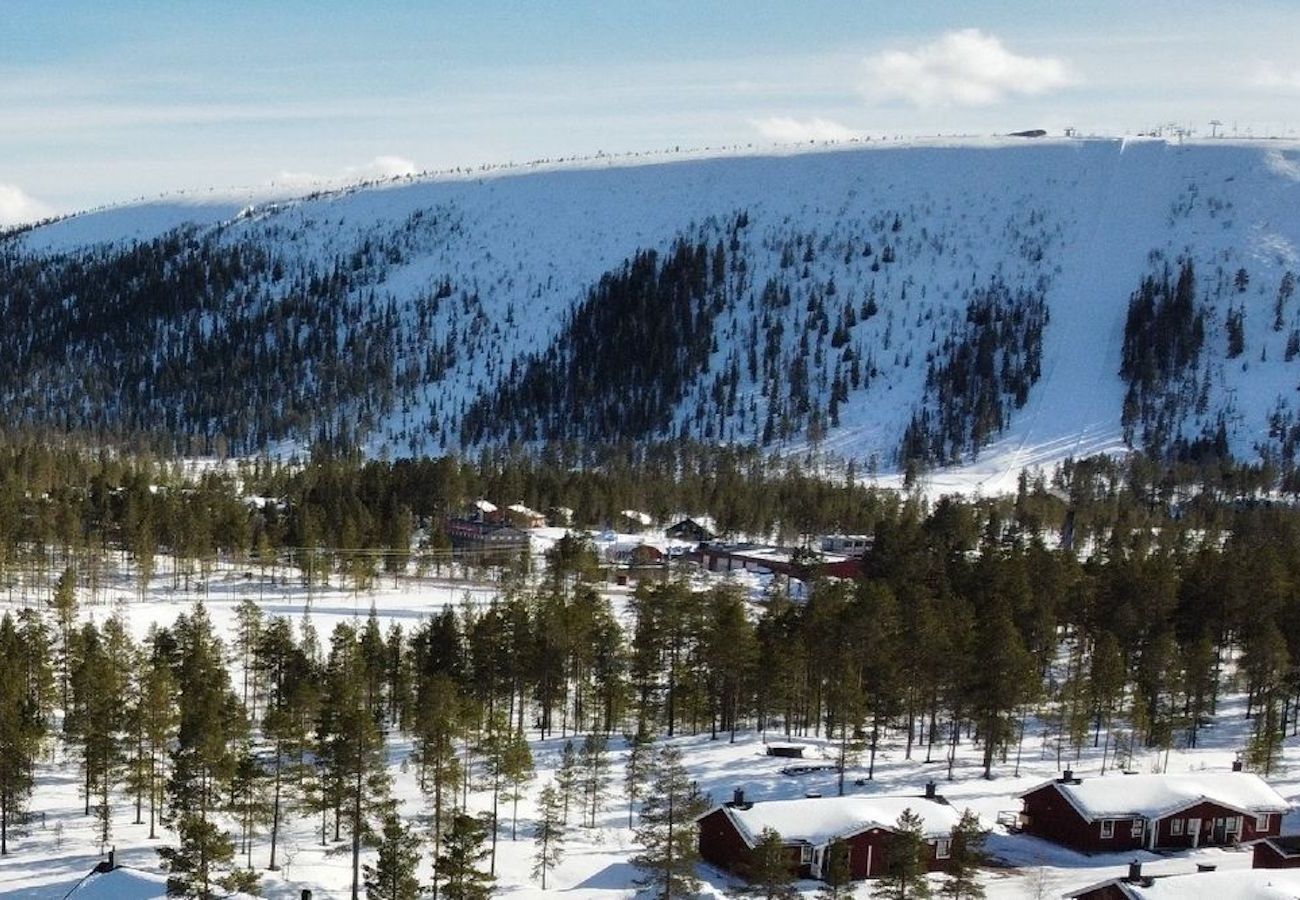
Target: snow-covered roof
(485,506)
(1155,796)
(821,820)
(1232,884)
(637,516)
(522,510)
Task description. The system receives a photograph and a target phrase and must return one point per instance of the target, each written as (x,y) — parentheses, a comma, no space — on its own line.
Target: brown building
(792,563)
(809,826)
(1153,812)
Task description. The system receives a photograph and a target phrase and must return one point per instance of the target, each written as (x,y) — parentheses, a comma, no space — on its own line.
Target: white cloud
(785,130)
(1275,78)
(17,207)
(381,168)
(961,68)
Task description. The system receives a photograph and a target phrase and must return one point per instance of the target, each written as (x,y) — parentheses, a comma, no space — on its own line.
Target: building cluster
(1106,814)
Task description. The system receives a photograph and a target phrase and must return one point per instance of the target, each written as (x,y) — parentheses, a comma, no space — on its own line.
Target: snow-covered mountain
(929,300)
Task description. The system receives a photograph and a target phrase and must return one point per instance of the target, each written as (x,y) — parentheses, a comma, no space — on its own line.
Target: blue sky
(102,102)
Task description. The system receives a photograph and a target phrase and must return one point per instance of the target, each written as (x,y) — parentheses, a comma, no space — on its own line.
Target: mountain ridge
(441,291)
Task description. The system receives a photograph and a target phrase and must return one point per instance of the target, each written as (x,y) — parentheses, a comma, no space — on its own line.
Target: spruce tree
(350,743)
(460,870)
(904,876)
(768,868)
(210,727)
(566,777)
(21,730)
(667,832)
(967,849)
(636,771)
(548,835)
(593,763)
(837,877)
(393,875)
(517,767)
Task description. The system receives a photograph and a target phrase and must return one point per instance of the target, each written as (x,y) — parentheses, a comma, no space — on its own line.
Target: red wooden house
(1277,852)
(1153,812)
(1230,884)
(728,834)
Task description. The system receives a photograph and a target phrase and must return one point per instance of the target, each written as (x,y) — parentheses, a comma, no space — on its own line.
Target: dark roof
(1285,844)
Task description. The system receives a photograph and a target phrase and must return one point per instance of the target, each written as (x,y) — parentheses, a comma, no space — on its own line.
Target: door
(817,862)
(1220,830)
(1194,829)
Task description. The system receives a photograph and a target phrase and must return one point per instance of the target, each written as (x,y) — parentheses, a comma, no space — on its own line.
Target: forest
(1100,602)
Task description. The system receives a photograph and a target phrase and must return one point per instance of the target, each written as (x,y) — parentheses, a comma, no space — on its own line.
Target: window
(1107,828)
(1136,830)
(1175,827)
(805,853)
(1262,822)
(1234,824)
(942,849)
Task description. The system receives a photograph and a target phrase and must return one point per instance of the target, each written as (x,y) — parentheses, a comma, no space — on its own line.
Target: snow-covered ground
(62,846)
(1075,219)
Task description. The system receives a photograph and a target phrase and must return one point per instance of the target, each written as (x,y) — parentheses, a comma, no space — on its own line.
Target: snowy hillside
(928,301)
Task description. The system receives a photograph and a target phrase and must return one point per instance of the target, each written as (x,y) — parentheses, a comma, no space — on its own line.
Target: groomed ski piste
(61,845)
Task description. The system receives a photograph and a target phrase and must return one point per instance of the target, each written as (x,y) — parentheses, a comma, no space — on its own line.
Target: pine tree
(351,745)
(666,831)
(593,763)
(393,875)
(288,678)
(210,727)
(437,724)
(21,730)
(636,771)
(967,848)
(566,776)
(460,873)
(768,868)
(837,877)
(64,607)
(517,768)
(548,835)
(905,874)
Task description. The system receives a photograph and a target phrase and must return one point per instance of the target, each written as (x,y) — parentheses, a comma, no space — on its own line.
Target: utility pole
(1215,124)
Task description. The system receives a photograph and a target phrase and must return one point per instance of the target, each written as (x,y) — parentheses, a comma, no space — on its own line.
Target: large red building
(1153,812)
(809,826)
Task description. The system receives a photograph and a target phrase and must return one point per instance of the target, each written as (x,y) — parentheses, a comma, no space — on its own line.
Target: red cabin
(1153,812)
(1277,852)
(809,826)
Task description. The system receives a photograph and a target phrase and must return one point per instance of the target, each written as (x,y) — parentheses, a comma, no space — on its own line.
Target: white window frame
(1136,829)
(1234,825)
(1107,829)
(1263,821)
(1176,827)
(805,854)
(943,849)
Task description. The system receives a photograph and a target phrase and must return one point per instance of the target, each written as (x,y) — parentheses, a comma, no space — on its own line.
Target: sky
(111,102)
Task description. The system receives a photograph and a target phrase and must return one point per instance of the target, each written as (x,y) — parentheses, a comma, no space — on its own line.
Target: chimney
(112,858)
(1134,872)
(1236,765)
(738,797)
(1067,777)
(929,789)
(306,894)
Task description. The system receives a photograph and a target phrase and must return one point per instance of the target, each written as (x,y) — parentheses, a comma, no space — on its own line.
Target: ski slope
(1081,220)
